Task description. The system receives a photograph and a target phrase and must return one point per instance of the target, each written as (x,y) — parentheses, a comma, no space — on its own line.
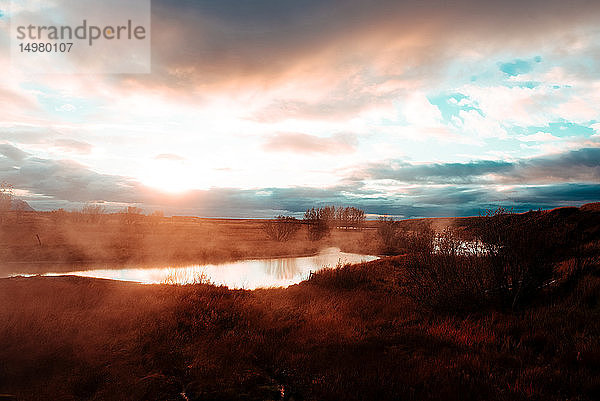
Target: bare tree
(319,222)
(352,217)
(159,214)
(282,228)
(156,218)
(92,212)
(132,215)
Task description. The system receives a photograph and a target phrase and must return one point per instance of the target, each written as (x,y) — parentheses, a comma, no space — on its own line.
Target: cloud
(539,136)
(68,180)
(329,106)
(12,153)
(242,85)
(268,41)
(581,165)
(440,173)
(67,107)
(169,156)
(72,145)
(305,143)
(24,133)
(61,183)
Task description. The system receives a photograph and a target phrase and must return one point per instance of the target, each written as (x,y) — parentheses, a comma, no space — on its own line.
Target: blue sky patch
(450,105)
(519,66)
(59,105)
(561,129)
(516,67)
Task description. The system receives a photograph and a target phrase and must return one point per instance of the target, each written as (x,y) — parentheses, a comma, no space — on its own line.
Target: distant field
(36,242)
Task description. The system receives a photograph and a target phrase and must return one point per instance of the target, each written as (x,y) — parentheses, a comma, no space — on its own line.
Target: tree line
(319,222)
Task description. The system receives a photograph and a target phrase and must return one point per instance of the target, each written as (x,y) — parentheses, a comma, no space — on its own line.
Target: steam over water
(247,274)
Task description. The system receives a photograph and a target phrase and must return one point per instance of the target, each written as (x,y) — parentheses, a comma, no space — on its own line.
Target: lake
(246,274)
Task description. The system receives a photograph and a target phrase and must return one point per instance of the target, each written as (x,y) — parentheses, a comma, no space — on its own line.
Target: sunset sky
(260,108)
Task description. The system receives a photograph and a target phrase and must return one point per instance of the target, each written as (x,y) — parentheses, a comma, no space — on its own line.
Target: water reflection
(282,269)
(248,274)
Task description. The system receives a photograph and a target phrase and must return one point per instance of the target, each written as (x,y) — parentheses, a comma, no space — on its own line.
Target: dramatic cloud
(576,166)
(258,108)
(63,183)
(203,40)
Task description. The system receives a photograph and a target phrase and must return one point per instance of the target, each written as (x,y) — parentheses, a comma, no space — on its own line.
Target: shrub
(511,260)
(131,215)
(319,222)
(387,230)
(396,240)
(92,213)
(441,275)
(349,218)
(282,228)
(521,250)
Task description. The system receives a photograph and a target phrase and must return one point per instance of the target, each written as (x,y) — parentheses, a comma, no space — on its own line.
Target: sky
(260,108)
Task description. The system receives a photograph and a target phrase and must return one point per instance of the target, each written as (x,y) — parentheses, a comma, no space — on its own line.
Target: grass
(353,333)
(333,337)
(108,241)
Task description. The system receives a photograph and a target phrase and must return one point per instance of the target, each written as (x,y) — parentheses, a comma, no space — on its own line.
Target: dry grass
(348,334)
(110,241)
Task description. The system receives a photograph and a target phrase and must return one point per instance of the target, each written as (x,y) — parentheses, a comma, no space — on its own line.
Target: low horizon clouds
(429,190)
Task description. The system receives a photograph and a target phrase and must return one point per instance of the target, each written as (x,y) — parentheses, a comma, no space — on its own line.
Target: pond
(246,274)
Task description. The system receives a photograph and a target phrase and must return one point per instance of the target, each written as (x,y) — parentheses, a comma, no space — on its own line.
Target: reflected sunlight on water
(247,274)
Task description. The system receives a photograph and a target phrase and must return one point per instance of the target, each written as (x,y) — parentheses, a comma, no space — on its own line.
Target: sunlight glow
(168,178)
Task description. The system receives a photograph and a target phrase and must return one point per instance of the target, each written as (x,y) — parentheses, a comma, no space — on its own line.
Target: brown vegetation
(501,259)
(363,332)
(282,228)
(89,239)
(320,221)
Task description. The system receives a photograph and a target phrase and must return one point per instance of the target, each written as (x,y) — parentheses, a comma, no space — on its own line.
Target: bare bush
(159,214)
(387,230)
(521,250)
(282,228)
(155,218)
(319,222)
(131,215)
(512,259)
(396,240)
(349,218)
(92,213)
(440,275)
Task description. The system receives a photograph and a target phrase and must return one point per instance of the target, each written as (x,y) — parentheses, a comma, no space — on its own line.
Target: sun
(170,177)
